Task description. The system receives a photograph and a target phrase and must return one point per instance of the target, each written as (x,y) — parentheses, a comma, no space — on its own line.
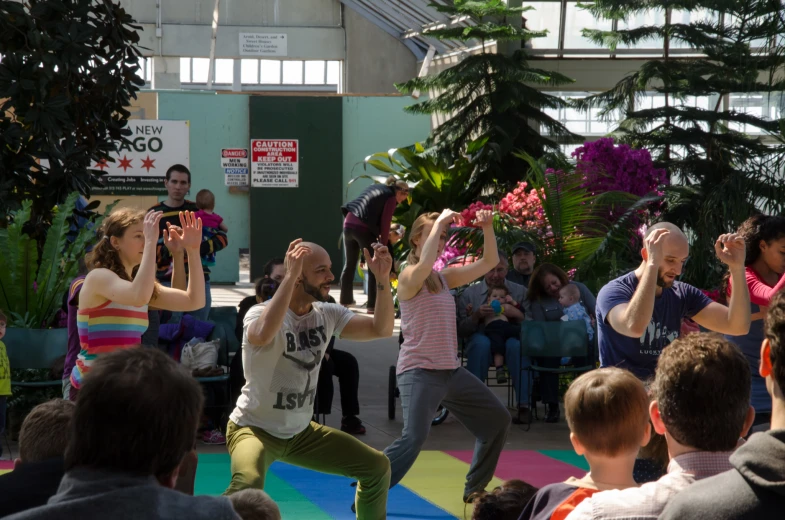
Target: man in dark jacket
(755,488)
(39,468)
(133,426)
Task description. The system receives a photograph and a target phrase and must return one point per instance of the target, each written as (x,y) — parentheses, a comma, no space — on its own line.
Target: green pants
(319,448)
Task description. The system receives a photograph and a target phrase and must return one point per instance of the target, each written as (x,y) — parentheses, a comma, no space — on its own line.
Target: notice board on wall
(275,163)
(312,211)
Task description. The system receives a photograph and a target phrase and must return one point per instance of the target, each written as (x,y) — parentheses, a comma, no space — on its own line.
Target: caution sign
(275,163)
(234,162)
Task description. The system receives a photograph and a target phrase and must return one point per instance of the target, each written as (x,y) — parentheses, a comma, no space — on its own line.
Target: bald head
(674,251)
(317,274)
(673,229)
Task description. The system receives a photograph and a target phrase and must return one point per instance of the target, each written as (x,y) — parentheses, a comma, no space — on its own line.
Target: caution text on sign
(275,163)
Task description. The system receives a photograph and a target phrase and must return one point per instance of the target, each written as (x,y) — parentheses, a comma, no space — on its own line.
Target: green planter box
(35,348)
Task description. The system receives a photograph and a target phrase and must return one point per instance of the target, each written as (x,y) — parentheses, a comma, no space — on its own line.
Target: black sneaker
(352,425)
(501,375)
(552,413)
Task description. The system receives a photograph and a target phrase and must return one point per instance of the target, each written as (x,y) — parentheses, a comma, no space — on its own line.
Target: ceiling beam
(360,8)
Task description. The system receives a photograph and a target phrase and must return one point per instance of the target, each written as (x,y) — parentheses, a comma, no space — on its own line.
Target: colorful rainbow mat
(432,490)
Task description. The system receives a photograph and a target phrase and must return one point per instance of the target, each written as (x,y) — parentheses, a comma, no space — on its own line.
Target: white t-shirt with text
(281,378)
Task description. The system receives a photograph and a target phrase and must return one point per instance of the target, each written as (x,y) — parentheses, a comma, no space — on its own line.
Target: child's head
(205,200)
(773,351)
(254,504)
(265,288)
(3,323)
(503,503)
(497,294)
(701,393)
(608,413)
(569,295)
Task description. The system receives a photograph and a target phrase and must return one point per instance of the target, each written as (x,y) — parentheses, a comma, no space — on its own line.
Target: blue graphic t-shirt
(639,355)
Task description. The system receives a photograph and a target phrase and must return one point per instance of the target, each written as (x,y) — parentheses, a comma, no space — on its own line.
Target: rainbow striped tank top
(104,329)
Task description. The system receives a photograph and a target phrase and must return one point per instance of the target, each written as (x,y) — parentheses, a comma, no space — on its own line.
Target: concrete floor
(375,359)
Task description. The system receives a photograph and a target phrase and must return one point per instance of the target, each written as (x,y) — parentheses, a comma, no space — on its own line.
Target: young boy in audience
(755,487)
(570,300)
(38,470)
(498,328)
(211,221)
(255,504)
(504,502)
(5,379)
(133,427)
(608,415)
(702,405)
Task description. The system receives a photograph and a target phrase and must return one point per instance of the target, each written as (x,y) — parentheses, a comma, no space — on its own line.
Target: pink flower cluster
(611,167)
(450,252)
(469,214)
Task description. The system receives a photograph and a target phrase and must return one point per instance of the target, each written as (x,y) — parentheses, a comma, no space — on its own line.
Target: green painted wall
(376,124)
(217,121)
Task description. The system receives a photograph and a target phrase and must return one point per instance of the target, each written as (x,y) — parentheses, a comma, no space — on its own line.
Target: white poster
(234,162)
(262,44)
(140,165)
(275,163)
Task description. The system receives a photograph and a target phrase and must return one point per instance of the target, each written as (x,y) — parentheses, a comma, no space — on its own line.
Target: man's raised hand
(731,250)
(380,263)
(295,256)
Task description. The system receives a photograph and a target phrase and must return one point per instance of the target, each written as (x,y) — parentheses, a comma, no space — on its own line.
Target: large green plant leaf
(12,288)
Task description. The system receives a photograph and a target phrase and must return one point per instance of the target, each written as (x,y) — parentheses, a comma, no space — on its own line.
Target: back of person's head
(702,392)
(45,431)
(137,412)
(254,504)
(775,334)
(503,503)
(265,288)
(205,200)
(270,265)
(608,411)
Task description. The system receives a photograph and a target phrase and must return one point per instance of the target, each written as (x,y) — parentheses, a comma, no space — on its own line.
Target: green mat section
(568,457)
(213,475)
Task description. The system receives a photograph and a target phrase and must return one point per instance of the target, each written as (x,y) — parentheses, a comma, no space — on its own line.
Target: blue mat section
(334,495)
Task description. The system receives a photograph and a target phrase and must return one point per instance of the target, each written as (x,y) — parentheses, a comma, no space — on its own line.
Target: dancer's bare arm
(103,284)
(193,298)
(735,318)
(631,319)
(177,251)
(262,331)
(366,328)
(459,276)
(413,276)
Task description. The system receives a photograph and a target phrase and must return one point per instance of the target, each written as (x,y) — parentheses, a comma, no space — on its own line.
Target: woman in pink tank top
(429,371)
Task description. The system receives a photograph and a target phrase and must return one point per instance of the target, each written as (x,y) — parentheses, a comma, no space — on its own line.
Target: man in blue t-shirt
(640,313)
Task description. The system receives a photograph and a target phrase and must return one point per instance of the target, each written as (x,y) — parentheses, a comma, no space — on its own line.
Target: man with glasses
(641,313)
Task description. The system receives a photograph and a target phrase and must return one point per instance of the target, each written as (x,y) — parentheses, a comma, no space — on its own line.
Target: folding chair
(553,339)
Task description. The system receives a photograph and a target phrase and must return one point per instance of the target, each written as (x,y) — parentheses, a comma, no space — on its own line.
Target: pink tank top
(430,338)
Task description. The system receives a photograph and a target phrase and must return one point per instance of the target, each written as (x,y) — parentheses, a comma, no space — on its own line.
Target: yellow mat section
(439,478)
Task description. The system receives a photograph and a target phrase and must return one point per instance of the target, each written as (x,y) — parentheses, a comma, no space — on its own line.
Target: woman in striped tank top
(121,283)
(429,371)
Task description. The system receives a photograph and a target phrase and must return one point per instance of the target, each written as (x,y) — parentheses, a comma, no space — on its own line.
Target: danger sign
(275,163)
(234,162)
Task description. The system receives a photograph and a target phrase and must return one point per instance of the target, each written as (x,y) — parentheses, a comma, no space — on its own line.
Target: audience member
(178,183)
(755,487)
(503,503)
(702,406)
(764,237)
(255,504)
(524,256)
(570,300)
(134,423)
(5,378)
(640,313)
(473,309)
(608,414)
(499,329)
(38,470)
(543,305)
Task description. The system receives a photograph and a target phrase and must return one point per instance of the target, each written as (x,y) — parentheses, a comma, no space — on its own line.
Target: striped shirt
(104,329)
(430,339)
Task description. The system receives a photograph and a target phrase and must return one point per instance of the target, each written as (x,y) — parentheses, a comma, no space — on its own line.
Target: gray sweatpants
(472,403)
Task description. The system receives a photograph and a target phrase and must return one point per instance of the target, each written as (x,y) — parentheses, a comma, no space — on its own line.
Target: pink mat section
(530,466)
(6,464)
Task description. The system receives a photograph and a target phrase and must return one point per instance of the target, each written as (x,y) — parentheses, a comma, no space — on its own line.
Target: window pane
(544,16)
(185,70)
(200,68)
(314,73)
(577,20)
(141,70)
(249,72)
(293,72)
(224,71)
(680,16)
(333,72)
(270,71)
